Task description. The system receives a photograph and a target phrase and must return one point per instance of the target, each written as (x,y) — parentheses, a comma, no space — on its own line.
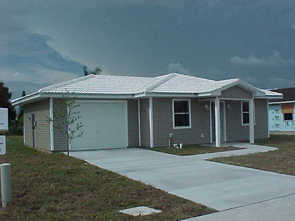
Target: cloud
(293,26)
(271,61)
(178,67)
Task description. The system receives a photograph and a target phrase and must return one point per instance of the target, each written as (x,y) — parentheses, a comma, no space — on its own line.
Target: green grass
(280,161)
(193,150)
(55,187)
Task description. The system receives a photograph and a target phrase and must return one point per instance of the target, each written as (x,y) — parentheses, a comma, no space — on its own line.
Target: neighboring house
(281,112)
(124,111)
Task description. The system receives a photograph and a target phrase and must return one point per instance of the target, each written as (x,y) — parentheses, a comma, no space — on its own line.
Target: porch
(222,115)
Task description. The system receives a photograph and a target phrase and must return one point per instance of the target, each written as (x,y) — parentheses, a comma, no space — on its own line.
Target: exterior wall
(144,123)
(132,123)
(235,131)
(59,134)
(236,92)
(261,126)
(163,123)
(276,119)
(42,130)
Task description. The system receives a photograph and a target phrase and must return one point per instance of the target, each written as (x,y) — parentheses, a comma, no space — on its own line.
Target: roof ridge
(66,82)
(159,82)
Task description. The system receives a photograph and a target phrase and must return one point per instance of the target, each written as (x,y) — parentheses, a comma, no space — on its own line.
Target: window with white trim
(245,109)
(181,113)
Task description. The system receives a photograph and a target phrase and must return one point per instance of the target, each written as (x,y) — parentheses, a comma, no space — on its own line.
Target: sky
(44,42)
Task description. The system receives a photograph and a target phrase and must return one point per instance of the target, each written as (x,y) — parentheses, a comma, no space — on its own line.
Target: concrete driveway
(215,185)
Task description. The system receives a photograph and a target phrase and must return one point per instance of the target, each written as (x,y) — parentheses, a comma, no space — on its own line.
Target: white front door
(104,125)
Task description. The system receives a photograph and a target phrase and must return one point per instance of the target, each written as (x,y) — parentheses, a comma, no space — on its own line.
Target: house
(125,111)
(281,112)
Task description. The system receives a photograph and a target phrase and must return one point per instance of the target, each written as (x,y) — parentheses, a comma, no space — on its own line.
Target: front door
(222,122)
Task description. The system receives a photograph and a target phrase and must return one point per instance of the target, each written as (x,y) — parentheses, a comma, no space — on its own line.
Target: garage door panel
(105,125)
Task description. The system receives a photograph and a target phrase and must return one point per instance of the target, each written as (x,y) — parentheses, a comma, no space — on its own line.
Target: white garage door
(105,125)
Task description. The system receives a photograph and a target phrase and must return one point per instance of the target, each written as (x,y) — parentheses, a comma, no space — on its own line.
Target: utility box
(3,119)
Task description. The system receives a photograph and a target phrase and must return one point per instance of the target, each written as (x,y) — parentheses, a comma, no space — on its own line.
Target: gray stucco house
(124,111)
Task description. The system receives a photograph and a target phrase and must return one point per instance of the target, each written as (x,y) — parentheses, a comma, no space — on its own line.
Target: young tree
(67,121)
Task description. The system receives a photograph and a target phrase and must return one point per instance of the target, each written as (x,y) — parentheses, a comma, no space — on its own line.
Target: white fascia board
(269,97)
(282,102)
(165,94)
(25,99)
(38,96)
(89,96)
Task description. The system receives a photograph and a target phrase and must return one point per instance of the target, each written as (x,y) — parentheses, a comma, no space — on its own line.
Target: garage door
(105,125)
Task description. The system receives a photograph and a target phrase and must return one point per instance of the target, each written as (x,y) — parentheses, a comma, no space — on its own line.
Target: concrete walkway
(227,188)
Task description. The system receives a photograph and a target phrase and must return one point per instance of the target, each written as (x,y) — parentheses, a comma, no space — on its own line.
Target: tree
(67,121)
(5,96)
(85,70)
(97,71)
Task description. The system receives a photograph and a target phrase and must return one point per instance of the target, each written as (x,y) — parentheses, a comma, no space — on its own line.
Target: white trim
(267,109)
(99,101)
(51,124)
(246,125)
(282,102)
(190,113)
(235,99)
(251,121)
(224,122)
(139,123)
(24,127)
(151,122)
(237,82)
(211,132)
(126,116)
(217,122)
(165,94)
(69,143)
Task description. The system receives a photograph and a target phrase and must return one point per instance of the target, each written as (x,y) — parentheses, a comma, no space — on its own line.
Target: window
(287,110)
(245,113)
(181,114)
(288,116)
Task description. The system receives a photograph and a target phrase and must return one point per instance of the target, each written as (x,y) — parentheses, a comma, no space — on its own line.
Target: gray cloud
(47,41)
(273,60)
(178,68)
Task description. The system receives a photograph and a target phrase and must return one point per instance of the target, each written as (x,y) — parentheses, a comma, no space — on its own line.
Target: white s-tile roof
(101,84)
(113,85)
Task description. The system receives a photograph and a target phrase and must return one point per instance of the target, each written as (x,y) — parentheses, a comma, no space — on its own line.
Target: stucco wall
(42,130)
(163,123)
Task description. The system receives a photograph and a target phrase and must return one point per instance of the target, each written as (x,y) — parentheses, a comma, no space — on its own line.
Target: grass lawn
(55,187)
(280,161)
(193,150)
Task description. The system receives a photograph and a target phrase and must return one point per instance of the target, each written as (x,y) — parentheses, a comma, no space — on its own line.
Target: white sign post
(2,145)
(5,167)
